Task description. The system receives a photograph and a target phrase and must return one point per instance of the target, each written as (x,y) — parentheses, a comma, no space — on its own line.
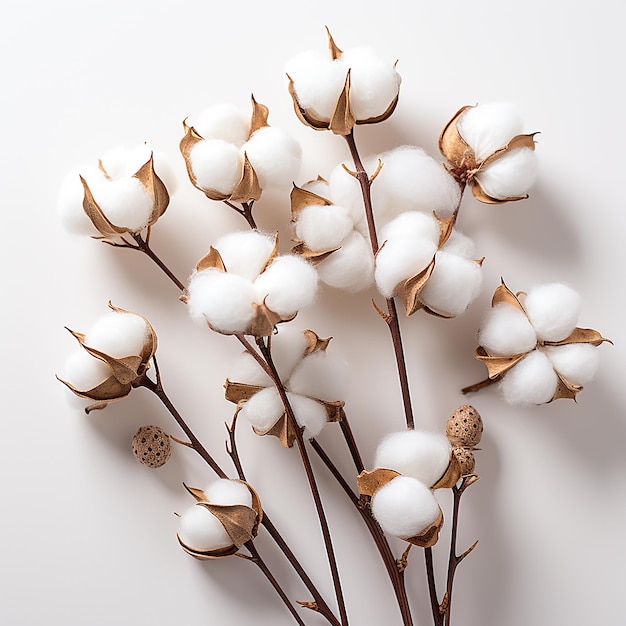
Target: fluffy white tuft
(351,267)
(309,413)
(274,155)
(224,300)
(576,362)
(323,227)
(263,409)
(245,253)
(320,375)
(118,334)
(84,371)
(201,530)
(70,200)
(319,187)
(226,491)
(345,191)
(216,165)
(223,121)
(510,176)
(460,245)
(489,127)
(287,285)
(417,453)
(507,331)
(453,285)
(413,224)
(553,310)
(405,507)
(245,369)
(532,381)
(288,348)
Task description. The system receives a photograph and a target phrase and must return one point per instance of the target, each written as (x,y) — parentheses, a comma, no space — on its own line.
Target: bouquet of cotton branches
(387,222)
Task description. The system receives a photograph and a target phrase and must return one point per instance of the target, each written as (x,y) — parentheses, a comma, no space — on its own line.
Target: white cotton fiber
(225,300)
(274,155)
(263,409)
(246,252)
(319,187)
(287,285)
(460,245)
(553,310)
(400,259)
(309,413)
(225,491)
(245,369)
(346,191)
(414,225)
(323,227)
(489,127)
(84,371)
(318,81)
(506,331)
(320,375)
(410,180)
(70,200)
(453,285)
(405,507)
(216,165)
(417,453)
(510,176)
(576,362)
(223,121)
(288,348)
(201,530)
(374,83)
(351,267)
(531,381)
(118,334)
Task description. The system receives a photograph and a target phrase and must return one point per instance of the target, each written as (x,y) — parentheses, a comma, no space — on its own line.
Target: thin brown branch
(143,246)
(245,211)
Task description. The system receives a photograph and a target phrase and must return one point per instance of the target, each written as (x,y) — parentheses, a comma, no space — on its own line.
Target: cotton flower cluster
(341,89)
(485,148)
(409,466)
(230,156)
(226,515)
(243,286)
(531,344)
(125,193)
(315,381)
(112,355)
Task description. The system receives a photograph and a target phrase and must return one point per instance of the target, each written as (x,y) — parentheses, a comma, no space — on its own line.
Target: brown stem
(245,211)
(351,443)
(432,588)
(143,246)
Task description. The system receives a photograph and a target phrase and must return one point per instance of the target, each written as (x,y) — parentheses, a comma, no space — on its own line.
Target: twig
(143,246)
(245,211)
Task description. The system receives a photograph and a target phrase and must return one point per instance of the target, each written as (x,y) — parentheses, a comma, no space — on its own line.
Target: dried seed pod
(466,460)
(464,427)
(151,446)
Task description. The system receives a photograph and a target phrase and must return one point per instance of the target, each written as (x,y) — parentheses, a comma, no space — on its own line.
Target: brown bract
(241,522)
(462,161)
(124,371)
(154,187)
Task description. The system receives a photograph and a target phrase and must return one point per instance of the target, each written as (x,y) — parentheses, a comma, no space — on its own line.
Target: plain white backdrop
(87,533)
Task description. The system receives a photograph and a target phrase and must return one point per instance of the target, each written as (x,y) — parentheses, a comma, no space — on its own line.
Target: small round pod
(151,446)
(466,460)
(216,528)
(464,427)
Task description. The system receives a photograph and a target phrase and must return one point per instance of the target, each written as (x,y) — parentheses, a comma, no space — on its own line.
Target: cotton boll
(351,267)
(125,202)
(510,176)
(576,362)
(489,127)
(553,310)
(246,370)
(263,409)
(323,227)
(288,348)
(460,245)
(453,285)
(320,375)
(245,253)
(318,81)
(346,191)
(274,155)
(223,299)
(374,83)
(400,259)
(405,507)
(414,225)
(124,162)
(223,121)
(309,413)
(531,381)
(287,285)
(118,334)
(202,531)
(84,371)
(216,165)
(417,453)
(319,187)
(506,331)
(70,200)
(225,491)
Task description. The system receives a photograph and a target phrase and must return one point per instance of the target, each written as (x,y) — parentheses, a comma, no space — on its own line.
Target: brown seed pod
(151,446)
(466,460)
(464,427)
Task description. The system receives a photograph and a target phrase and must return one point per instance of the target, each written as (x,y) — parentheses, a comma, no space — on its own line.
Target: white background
(87,534)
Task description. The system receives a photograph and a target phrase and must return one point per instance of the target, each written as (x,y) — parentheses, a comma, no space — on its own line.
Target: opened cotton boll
(405,507)
(507,331)
(70,200)
(414,225)
(263,409)
(246,370)
(320,375)
(245,253)
(217,166)
(351,267)
(323,228)
(532,381)
(201,531)
(309,413)
(553,310)
(288,349)
(119,334)
(575,362)
(84,372)
(510,176)
(226,491)
(223,121)
(460,245)
(419,454)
